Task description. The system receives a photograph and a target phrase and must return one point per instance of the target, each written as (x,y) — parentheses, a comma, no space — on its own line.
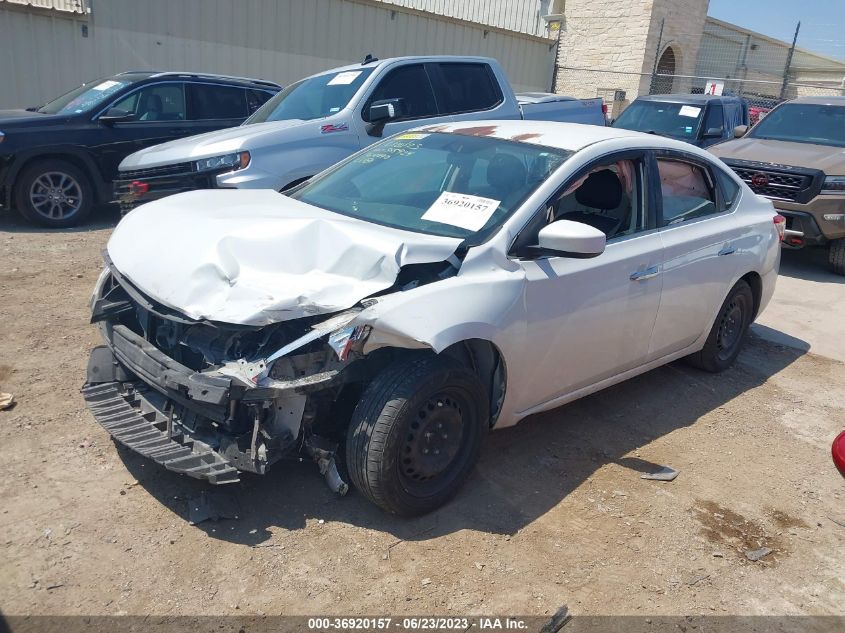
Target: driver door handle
(727,250)
(642,275)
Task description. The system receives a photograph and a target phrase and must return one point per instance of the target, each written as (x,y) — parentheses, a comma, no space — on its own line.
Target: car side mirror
(115,115)
(383,111)
(565,238)
(714,132)
(740,130)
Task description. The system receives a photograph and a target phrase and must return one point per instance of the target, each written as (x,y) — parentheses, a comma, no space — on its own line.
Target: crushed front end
(201,398)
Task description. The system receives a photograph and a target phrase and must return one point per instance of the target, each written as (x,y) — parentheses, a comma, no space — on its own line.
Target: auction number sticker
(690,111)
(459,209)
(344,78)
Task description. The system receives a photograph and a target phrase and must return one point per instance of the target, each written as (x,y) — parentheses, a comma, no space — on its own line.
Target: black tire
(836,256)
(729,331)
(402,423)
(54,193)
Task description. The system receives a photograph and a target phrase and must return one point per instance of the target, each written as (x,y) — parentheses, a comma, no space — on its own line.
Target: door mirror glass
(565,238)
(116,115)
(387,109)
(740,130)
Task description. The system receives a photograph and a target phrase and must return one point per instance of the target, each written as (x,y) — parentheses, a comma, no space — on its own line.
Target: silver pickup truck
(320,120)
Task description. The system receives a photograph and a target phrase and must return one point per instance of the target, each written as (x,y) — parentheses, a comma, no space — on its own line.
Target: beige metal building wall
(47,52)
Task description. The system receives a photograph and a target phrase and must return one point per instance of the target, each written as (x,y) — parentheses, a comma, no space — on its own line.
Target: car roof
(567,136)
(836,101)
(407,58)
(687,98)
(140,75)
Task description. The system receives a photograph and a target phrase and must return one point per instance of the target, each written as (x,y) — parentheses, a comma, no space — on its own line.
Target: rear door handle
(727,250)
(648,273)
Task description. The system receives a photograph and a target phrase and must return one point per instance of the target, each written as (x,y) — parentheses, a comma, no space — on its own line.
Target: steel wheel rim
(730,328)
(431,451)
(55,195)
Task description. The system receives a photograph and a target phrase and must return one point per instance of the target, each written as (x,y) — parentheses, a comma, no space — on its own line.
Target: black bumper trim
(136,423)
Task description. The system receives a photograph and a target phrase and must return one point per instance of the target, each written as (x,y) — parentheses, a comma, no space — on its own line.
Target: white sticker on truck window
(689,111)
(344,78)
(459,209)
(105,85)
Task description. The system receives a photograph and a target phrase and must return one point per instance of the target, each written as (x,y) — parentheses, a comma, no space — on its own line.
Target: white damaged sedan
(382,317)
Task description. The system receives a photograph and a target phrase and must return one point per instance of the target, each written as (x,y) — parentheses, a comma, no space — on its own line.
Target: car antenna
(369,59)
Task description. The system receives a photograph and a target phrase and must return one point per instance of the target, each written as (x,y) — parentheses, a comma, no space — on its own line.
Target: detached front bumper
(205,426)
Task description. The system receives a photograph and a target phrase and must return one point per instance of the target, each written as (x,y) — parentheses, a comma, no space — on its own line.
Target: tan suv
(795,156)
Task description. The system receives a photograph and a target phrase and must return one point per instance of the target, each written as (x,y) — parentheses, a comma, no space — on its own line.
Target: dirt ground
(556,513)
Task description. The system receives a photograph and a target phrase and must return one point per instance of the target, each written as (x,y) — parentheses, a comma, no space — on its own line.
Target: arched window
(663,81)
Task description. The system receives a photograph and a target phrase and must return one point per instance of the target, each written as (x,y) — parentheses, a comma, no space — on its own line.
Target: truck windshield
(312,98)
(803,123)
(444,184)
(678,120)
(86,97)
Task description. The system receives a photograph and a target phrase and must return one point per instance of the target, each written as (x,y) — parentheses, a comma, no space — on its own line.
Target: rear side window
(210,101)
(687,189)
(409,83)
(468,88)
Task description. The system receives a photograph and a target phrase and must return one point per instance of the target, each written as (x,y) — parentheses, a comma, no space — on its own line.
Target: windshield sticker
(458,209)
(334,127)
(411,136)
(106,85)
(344,78)
(690,111)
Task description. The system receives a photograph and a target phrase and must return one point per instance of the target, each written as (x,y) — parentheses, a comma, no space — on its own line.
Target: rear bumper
(205,426)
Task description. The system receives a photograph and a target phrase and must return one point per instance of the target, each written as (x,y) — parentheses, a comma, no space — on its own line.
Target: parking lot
(555,514)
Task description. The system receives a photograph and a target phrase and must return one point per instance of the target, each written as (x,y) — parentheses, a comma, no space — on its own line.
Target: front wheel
(728,333)
(54,193)
(416,434)
(836,256)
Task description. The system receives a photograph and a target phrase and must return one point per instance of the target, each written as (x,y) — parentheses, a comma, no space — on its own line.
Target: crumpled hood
(255,257)
(215,143)
(831,160)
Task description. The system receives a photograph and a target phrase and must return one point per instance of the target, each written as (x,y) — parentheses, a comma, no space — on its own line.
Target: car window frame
(144,87)
(368,101)
(702,163)
(647,199)
(439,86)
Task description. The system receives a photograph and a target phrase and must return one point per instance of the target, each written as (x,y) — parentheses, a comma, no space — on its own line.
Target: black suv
(57,161)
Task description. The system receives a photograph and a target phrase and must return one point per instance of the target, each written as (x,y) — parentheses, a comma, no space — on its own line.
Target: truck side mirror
(740,130)
(383,111)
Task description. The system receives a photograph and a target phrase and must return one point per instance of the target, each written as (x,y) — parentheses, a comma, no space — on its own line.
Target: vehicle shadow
(523,473)
(102,217)
(809,264)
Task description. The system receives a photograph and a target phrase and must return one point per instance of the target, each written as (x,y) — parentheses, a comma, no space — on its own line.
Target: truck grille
(155,172)
(779,182)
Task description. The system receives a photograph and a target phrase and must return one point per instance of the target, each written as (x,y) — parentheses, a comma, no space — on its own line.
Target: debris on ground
(557,621)
(426,582)
(664,474)
(7,401)
(205,506)
(756,554)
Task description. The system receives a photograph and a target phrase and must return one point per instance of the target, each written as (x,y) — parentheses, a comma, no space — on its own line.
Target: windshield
(444,184)
(677,120)
(84,98)
(803,123)
(312,98)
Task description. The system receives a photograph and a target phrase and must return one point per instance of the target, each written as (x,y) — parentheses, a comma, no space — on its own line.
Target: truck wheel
(728,333)
(54,193)
(837,256)
(416,434)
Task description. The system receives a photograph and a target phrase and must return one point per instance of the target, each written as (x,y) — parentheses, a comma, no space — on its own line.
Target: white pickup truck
(320,120)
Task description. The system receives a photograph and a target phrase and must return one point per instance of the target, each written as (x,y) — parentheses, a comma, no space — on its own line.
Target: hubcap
(433,440)
(730,329)
(55,195)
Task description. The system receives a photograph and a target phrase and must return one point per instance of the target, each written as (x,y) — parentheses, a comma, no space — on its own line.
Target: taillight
(780,225)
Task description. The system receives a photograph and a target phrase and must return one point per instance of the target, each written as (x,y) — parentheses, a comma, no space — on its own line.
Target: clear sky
(822,21)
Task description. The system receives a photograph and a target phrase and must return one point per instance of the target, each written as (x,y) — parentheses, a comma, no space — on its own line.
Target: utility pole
(789,62)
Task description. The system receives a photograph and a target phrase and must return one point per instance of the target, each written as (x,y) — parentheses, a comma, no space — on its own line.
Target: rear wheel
(836,256)
(729,331)
(416,434)
(54,193)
